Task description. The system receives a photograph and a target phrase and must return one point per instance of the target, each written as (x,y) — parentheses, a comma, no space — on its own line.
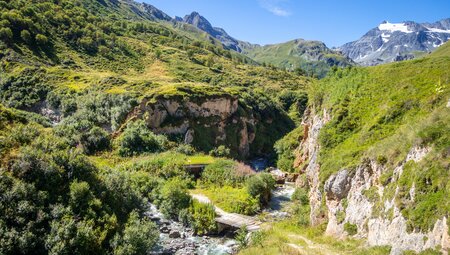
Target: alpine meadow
(124,130)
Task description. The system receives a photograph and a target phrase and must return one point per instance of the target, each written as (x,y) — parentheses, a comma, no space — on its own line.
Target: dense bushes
(201,217)
(66,205)
(138,237)
(24,90)
(222,172)
(137,138)
(302,208)
(285,148)
(173,197)
(88,117)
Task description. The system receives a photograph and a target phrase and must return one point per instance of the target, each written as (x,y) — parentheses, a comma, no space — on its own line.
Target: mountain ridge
(312,56)
(390,42)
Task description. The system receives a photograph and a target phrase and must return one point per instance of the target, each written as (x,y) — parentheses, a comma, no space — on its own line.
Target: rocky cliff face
(352,198)
(206,122)
(307,160)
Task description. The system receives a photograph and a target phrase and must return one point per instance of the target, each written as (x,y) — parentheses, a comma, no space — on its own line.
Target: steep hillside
(375,153)
(313,57)
(391,42)
(51,58)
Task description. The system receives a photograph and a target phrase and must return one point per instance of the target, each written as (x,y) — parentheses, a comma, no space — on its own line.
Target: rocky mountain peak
(390,42)
(203,24)
(199,21)
(155,13)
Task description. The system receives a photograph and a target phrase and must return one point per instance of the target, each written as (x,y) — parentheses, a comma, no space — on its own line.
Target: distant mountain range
(397,41)
(388,42)
(314,57)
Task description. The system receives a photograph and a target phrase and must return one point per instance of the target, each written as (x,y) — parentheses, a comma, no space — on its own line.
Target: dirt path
(311,247)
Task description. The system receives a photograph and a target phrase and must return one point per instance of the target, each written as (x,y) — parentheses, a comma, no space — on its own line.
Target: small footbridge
(227,220)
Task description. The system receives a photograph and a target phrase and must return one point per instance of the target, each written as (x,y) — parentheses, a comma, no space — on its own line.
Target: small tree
(26,36)
(241,237)
(41,40)
(261,186)
(158,53)
(6,34)
(190,54)
(137,138)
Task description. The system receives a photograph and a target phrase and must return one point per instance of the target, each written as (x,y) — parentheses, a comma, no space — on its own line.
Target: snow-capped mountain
(397,41)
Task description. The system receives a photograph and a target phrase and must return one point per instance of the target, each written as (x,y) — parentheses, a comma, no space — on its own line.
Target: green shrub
(301,195)
(138,238)
(71,236)
(220,173)
(173,197)
(185,149)
(340,216)
(41,40)
(6,34)
(241,237)
(137,138)
(261,186)
(220,151)
(80,196)
(26,36)
(95,140)
(351,229)
(302,212)
(203,218)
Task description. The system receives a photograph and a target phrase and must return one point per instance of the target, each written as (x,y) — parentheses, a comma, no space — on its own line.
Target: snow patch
(437,30)
(392,27)
(385,37)
(435,45)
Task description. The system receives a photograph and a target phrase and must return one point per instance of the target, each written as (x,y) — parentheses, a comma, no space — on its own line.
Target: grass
(200,159)
(286,237)
(382,112)
(230,199)
(381,102)
(297,53)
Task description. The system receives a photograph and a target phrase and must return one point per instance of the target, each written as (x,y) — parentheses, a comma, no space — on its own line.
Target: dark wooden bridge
(195,169)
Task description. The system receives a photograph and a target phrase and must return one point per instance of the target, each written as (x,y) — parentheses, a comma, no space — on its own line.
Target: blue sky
(334,22)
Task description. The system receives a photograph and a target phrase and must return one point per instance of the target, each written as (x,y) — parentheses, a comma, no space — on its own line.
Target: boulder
(175,234)
(278,175)
(292,177)
(338,185)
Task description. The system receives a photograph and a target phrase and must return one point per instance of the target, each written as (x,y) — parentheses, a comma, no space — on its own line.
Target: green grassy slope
(312,56)
(115,40)
(73,52)
(381,113)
